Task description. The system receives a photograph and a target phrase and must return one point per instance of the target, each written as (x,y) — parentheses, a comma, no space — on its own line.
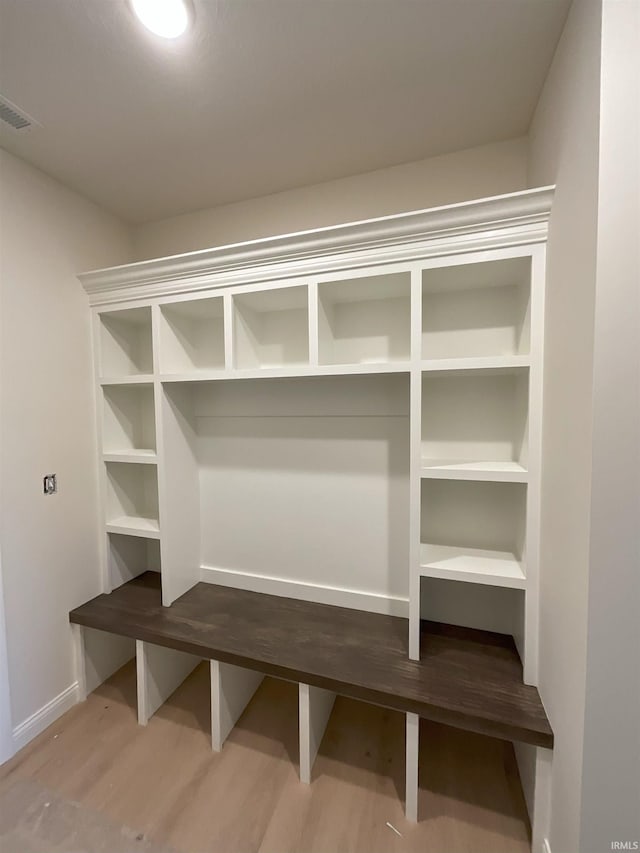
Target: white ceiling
(264,95)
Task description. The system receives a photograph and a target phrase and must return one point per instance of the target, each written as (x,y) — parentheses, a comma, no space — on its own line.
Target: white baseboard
(338,596)
(44,716)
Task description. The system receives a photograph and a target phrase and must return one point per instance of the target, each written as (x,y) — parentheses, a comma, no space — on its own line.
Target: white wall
(49,544)
(474,173)
(611,763)
(564,150)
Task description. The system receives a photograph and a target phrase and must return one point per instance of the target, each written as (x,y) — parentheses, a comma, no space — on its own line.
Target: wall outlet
(50,483)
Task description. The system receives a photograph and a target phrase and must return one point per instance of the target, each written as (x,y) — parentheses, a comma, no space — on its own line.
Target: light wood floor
(160,788)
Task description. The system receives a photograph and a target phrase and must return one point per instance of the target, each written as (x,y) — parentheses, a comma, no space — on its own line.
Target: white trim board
(45,716)
(339,597)
(505,220)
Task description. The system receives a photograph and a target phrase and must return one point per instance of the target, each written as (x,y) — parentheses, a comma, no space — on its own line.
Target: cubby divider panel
(271,328)
(192,335)
(126,342)
(316,705)
(365,320)
(476,310)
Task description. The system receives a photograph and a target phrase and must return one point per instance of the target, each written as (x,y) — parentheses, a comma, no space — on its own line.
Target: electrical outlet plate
(50,484)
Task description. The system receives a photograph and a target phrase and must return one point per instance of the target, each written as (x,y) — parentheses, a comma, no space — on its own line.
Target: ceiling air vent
(15,118)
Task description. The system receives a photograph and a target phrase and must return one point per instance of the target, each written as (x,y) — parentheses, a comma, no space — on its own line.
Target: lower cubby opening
(499,610)
(161,671)
(477,775)
(98,654)
(130,556)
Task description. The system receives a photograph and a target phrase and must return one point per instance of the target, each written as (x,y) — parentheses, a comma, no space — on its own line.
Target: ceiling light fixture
(166,18)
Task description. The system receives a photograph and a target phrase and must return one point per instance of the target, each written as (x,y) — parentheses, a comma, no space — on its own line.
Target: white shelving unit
(350,416)
(437,314)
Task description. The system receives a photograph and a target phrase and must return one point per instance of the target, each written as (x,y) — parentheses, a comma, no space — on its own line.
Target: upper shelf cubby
(476,310)
(365,320)
(271,328)
(192,336)
(126,343)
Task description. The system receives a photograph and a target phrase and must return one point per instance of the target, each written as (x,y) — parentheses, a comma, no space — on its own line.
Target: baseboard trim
(43,717)
(352,598)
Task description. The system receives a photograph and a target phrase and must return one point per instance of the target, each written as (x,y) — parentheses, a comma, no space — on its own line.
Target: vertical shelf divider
(534,463)
(411,768)
(102,473)
(314,331)
(316,705)
(229,332)
(179,491)
(415,437)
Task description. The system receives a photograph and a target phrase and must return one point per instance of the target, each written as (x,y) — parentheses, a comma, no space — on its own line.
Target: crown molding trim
(497,222)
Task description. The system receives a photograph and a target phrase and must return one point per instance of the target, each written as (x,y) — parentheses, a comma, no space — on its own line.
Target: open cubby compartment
(192,335)
(132,499)
(297,484)
(130,556)
(129,427)
(476,420)
(476,309)
(271,327)
(365,320)
(469,605)
(473,531)
(126,347)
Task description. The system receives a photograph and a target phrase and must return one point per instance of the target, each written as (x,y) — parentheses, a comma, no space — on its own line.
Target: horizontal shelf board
(491,363)
(290,372)
(466,678)
(135,379)
(452,469)
(134,525)
(204,375)
(144,457)
(473,565)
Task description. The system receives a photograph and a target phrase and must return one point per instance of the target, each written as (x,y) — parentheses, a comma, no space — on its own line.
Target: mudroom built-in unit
(320,459)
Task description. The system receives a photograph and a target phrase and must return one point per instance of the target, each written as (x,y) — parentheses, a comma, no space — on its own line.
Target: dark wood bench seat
(466,678)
